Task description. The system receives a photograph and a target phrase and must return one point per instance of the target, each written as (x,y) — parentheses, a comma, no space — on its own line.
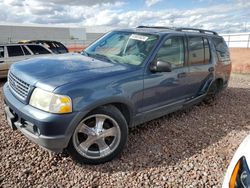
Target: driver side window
(172,51)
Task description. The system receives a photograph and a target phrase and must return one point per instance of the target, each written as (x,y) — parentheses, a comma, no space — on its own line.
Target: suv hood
(53,71)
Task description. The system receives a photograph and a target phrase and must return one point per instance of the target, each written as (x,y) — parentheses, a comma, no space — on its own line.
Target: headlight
(50,102)
(241,175)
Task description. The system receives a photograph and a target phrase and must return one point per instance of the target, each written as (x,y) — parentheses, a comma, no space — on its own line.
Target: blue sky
(224,16)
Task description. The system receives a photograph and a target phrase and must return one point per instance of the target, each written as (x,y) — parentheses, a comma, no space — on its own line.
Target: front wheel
(99,137)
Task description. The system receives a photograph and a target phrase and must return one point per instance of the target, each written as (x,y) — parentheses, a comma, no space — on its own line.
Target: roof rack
(155,27)
(180,29)
(193,29)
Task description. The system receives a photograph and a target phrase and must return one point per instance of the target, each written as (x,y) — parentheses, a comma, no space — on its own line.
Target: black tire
(114,114)
(212,93)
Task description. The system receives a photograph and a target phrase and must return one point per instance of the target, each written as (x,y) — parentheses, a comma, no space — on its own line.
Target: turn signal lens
(233,179)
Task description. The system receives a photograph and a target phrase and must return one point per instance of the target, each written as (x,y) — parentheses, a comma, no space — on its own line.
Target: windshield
(122,47)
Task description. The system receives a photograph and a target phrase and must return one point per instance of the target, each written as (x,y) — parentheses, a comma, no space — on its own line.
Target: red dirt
(75,48)
(240,60)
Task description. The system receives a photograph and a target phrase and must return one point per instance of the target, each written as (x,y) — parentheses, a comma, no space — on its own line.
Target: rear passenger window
(1,51)
(199,51)
(172,51)
(196,51)
(15,51)
(36,49)
(26,52)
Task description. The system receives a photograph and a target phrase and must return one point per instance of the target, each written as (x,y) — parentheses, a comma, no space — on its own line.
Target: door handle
(181,75)
(211,69)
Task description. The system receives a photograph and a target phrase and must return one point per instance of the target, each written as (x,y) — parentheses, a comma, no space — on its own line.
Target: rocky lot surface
(189,148)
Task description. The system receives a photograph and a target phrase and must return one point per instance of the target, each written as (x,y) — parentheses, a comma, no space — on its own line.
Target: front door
(165,88)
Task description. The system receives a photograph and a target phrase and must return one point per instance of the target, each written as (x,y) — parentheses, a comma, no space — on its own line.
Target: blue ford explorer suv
(85,103)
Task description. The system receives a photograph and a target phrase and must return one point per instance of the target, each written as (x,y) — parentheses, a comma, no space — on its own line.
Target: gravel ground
(189,148)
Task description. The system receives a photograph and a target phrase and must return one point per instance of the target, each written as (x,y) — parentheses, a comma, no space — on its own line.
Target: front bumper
(51,131)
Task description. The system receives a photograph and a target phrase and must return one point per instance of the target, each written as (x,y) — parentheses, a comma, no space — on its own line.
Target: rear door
(201,67)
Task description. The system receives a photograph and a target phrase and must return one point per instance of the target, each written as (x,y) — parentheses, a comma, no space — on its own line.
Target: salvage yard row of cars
(11,53)
(84,103)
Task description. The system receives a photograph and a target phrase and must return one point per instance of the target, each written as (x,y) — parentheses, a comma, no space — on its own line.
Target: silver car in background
(11,53)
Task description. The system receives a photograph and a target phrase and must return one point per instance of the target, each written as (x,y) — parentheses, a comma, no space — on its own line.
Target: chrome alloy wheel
(96,136)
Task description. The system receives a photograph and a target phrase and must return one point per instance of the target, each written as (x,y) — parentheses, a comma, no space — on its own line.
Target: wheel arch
(124,105)
(219,82)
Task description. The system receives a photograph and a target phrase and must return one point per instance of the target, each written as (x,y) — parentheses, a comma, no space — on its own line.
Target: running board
(194,101)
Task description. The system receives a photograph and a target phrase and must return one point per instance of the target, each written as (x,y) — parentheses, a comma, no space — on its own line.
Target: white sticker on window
(138,37)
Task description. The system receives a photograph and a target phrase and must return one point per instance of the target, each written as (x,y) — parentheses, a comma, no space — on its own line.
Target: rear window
(1,51)
(37,49)
(221,48)
(56,47)
(15,51)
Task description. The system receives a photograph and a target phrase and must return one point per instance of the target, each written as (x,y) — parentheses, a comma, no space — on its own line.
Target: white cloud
(230,17)
(150,3)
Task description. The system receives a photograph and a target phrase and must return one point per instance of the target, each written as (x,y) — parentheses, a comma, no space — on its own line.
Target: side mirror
(161,66)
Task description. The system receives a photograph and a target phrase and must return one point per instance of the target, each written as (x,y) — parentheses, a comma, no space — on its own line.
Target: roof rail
(193,29)
(180,29)
(156,27)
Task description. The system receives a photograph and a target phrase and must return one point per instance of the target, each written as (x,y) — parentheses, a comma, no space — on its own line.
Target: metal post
(248,41)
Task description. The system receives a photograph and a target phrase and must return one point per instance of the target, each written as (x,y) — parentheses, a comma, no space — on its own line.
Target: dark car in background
(85,103)
(11,53)
(55,46)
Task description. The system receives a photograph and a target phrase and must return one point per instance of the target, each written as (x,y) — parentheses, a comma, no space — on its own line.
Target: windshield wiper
(102,57)
(85,53)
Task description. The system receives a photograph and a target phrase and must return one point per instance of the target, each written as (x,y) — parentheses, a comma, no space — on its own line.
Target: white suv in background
(11,53)
(238,172)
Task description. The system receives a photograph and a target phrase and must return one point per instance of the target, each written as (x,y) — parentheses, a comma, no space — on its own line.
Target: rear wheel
(212,93)
(99,137)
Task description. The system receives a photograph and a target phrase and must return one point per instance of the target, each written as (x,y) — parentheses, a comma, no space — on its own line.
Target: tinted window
(56,47)
(172,51)
(1,51)
(15,51)
(196,50)
(36,49)
(221,48)
(26,52)
(61,48)
(207,51)
(220,45)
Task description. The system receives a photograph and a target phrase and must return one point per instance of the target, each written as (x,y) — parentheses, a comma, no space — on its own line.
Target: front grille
(18,86)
